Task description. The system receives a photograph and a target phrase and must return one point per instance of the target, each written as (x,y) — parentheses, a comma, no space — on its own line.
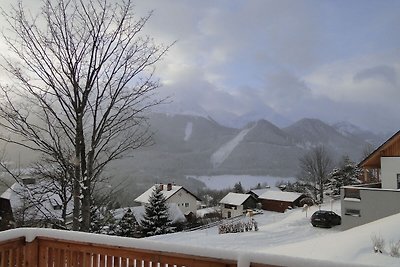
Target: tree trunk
(77,178)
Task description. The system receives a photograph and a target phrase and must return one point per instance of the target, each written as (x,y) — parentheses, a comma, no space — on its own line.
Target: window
(186,205)
(398,181)
(352,193)
(353,212)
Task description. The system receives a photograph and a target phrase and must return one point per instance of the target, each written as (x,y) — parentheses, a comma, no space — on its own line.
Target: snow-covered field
(274,229)
(221,182)
(291,234)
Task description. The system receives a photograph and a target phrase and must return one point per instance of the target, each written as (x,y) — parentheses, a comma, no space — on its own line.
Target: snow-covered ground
(274,229)
(291,234)
(221,182)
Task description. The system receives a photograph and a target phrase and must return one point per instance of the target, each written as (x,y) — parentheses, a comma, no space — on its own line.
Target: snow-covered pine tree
(156,218)
(95,220)
(128,225)
(347,174)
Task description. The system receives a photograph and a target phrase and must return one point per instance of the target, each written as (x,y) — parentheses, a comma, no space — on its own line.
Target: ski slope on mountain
(219,156)
(188,130)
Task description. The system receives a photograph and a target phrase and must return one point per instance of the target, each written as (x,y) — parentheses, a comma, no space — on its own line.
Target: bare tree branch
(83,75)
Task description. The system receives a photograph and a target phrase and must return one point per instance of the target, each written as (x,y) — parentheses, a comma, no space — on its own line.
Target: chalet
(186,201)
(374,200)
(35,202)
(280,201)
(235,204)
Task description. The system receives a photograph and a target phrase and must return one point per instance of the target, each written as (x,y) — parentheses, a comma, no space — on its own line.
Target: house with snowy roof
(35,202)
(235,204)
(183,198)
(280,201)
(371,201)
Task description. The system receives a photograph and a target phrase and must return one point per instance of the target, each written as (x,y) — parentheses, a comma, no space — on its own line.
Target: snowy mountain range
(198,145)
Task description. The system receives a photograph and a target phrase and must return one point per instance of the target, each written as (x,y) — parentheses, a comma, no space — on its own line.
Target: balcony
(30,247)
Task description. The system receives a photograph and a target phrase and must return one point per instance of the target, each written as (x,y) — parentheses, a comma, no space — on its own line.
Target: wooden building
(372,164)
(280,201)
(379,195)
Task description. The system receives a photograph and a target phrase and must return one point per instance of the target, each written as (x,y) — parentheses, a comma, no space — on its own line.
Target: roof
(281,196)
(235,199)
(39,200)
(144,198)
(390,148)
(259,192)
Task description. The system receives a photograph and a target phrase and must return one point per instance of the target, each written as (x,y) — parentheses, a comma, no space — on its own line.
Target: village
(359,204)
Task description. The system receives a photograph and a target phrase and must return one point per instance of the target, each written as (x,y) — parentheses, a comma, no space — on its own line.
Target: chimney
(169,187)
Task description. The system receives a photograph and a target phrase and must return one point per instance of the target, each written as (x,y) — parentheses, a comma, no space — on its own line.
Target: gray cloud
(385,73)
(327,59)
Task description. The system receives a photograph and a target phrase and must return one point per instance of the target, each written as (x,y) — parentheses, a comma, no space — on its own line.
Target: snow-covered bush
(394,249)
(238,227)
(378,243)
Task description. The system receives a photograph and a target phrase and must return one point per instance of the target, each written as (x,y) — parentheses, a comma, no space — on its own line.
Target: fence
(30,247)
(39,250)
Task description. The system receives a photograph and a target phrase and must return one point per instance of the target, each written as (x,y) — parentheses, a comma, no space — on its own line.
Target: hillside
(198,145)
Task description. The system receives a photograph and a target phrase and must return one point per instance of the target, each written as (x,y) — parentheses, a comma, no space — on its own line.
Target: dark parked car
(325,218)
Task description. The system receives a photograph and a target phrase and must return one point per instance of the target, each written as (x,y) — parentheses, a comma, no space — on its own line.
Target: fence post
(31,253)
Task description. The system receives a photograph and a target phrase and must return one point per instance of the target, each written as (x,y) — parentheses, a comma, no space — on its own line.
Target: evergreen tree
(102,221)
(238,188)
(347,174)
(128,225)
(110,224)
(95,220)
(156,218)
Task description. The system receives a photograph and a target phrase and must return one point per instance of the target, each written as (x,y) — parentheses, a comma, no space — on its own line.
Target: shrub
(394,248)
(378,243)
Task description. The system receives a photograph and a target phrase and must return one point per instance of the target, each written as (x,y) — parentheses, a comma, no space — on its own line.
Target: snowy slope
(290,236)
(188,130)
(219,156)
(353,245)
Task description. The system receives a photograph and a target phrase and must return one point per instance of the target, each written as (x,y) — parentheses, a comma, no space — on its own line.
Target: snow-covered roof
(235,199)
(144,198)
(36,201)
(259,192)
(174,212)
(202,212)
(281,196)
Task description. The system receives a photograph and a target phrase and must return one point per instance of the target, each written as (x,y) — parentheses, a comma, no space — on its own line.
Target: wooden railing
(44,251)
(28,247)
(12,252)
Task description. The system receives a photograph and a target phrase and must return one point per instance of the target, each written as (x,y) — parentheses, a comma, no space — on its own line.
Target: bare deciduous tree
(82,81)
(315,168)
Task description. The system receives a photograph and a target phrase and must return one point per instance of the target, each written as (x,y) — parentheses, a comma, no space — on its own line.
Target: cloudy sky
(281,60)
(333,60)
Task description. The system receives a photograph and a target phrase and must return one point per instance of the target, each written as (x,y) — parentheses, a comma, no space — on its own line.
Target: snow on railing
(31,247)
